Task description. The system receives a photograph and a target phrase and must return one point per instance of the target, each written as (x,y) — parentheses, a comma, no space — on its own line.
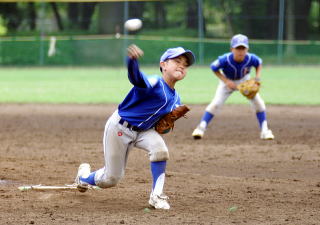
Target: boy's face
(239,53)
(175,68)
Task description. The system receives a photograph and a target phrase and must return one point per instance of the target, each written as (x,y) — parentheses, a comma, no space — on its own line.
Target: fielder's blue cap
(175,52)
(239,40)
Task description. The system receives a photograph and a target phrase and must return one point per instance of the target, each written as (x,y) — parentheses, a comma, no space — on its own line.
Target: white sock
(203,125)
(158,189)
(264,126)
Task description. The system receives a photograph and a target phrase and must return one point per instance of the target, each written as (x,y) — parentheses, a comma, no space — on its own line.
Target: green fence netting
(110,51)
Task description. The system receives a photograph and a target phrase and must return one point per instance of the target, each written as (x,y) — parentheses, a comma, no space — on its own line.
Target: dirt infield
(229,177)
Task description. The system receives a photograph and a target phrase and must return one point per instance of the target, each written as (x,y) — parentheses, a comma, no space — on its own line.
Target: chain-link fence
(110,51)
(91,33)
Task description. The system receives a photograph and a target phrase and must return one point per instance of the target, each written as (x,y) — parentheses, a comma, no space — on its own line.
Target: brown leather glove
(166,123)
(249,88)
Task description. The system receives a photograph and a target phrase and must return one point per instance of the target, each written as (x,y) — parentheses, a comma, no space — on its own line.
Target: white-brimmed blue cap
(175,52)
(239,40)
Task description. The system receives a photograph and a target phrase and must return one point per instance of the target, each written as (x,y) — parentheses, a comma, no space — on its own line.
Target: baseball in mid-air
(133,24)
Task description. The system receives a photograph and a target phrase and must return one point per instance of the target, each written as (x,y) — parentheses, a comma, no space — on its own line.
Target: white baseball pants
(223,93)
(118,141)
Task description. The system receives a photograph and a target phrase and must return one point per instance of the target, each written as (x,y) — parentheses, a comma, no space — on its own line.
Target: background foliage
(91,33)
(221,18)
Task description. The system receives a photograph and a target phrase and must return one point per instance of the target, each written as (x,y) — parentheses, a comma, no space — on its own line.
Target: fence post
(42,33)
(125,32)
(280,30)
(200,31)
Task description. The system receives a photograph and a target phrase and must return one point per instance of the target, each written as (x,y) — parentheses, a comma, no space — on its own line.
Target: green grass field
(280,85)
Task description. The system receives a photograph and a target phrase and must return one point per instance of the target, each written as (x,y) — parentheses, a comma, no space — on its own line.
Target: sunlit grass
(280,85)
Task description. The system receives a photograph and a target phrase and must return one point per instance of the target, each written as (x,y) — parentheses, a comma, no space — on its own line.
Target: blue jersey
(149,99)
(234,70)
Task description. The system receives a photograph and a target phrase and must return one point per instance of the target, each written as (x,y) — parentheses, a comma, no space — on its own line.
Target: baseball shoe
(159,201)
(267,135)
(198,133)
(83,171)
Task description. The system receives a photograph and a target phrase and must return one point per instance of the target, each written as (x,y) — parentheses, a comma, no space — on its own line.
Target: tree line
(220,18)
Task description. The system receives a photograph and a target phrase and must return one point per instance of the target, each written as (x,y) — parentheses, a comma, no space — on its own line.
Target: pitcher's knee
(109,182)
(159,156)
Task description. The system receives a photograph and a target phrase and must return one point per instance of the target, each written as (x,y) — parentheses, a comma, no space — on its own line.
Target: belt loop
(125,124)
(128,125)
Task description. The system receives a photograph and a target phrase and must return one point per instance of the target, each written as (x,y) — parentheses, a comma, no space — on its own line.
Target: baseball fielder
(232,69)
(132,124)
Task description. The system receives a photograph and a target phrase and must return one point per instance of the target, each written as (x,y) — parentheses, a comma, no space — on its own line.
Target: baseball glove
(166,123)
(249,88)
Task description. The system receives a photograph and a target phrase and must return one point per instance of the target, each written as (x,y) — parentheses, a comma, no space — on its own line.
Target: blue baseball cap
(239,40)
(175,52)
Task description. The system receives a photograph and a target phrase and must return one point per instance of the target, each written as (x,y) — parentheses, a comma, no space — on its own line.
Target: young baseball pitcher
(135,123)
(233,69)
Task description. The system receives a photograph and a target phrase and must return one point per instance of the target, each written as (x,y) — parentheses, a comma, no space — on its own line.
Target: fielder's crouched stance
(133,123)
(233,69)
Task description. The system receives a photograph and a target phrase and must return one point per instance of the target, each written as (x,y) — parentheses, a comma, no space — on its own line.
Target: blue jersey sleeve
(218,63)
(136,77)
(256,61)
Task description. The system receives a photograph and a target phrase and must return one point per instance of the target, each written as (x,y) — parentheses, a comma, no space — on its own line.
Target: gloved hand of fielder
(249,88)
(166,123)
